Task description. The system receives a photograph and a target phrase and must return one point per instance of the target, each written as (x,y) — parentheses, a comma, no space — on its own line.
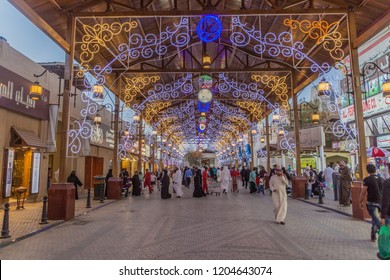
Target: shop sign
(9,172)
(35,173)
(309,138)
(308,162)
(14,96)
(373,105)
(383,141)
(102,135)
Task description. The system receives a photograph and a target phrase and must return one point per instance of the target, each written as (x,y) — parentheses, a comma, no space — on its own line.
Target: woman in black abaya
(165,185)
(198,192)
(136,184)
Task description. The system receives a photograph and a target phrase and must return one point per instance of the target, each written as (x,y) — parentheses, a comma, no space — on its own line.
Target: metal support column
(115,169)
(357,94)
(65,164)
(140,144)
(296,126)
(267,144)
(252,151)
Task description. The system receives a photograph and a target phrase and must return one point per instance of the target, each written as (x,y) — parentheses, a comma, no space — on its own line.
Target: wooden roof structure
(237,61)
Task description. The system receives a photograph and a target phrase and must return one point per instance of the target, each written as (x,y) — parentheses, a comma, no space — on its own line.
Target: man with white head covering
(225,179)
(177,183)
(328,172)
(277,184)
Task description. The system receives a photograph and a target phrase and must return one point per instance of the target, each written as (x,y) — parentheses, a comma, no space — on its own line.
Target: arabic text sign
(383,141)
(14,95)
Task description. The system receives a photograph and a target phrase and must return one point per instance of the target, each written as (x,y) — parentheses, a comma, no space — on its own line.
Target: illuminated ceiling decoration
(253,108)
(98,36)
(277,85)
(325,34)
(271,44)
(239,90)
(163,92)
(152,109)
(145,46)
(135,85)
(209,28)
(205,81)
(279,47)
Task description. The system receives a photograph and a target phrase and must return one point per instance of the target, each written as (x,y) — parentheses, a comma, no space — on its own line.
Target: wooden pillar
(252,150)
(115,165)
(267,145)
(140,143)
(153,153)
(65,164)
(296,125)
(353,54)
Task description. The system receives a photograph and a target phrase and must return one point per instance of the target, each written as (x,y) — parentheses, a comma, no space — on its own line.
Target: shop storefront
(23,128)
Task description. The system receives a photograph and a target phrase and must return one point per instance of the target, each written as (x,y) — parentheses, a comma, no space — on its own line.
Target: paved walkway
(232,226)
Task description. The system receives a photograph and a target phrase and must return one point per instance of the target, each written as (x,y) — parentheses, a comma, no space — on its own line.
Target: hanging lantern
(154,132)
(262,140)
(386,88)
(98,91)
(323,87)
(36,91)
(97,120)
(253,131)
(315,118)
(275,117)
(281,133)
(206,60)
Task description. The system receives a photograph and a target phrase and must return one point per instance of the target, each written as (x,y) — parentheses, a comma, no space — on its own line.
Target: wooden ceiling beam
(246,12)
(201,70)
(37,20)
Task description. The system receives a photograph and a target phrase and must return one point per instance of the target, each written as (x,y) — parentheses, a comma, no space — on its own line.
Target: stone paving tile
(26,221)
(232,226)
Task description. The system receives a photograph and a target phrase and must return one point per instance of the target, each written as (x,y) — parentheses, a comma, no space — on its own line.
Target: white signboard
(309,137)
(383,141)
(373,105)
(9,174)
(35,173)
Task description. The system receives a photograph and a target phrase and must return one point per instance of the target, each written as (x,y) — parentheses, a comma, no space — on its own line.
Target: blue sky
(23,36)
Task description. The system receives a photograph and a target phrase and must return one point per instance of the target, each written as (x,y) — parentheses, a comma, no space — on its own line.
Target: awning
(25,138)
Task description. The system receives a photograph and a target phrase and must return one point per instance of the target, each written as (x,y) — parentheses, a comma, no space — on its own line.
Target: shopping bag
(384,242)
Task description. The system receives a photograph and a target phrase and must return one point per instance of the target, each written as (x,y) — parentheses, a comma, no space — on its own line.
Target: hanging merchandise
(205,82)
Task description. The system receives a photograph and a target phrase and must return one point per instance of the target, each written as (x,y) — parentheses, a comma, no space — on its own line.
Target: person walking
(188,174)
(372,190)
(165,181)
(198,192)
(252,180)
(177,183)
(277,184)
(108,176)
(345,184)
(328,172)
(205,186)
(309,175)
(136,182)
(225,179)
(148,181)
(234,174)
(72,178)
